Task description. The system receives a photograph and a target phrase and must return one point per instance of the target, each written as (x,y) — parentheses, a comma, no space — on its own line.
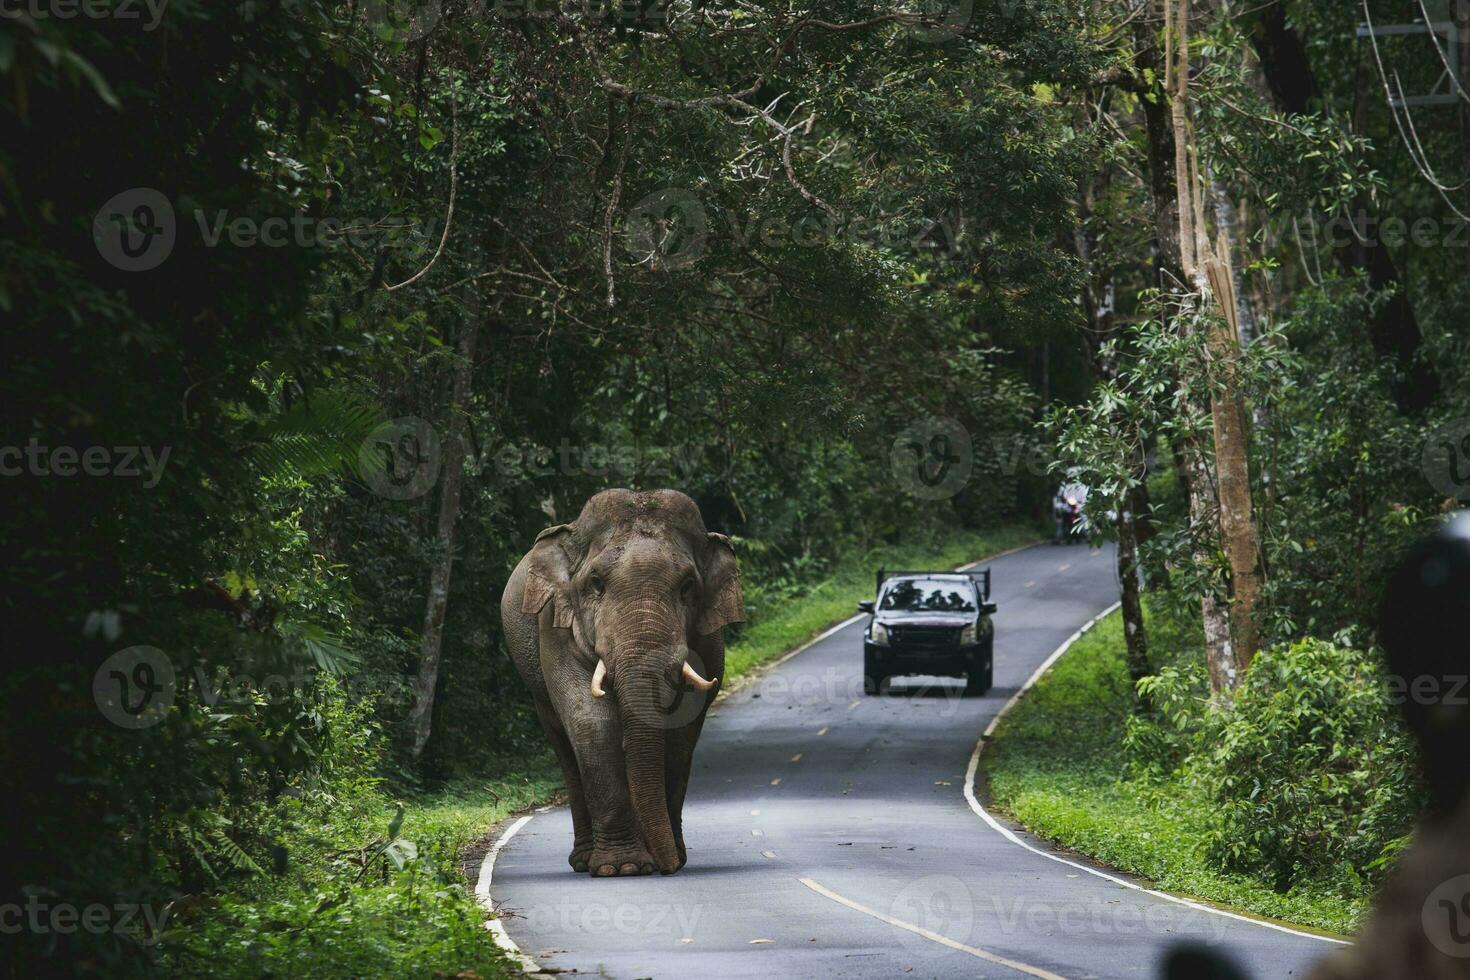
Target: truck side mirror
(987,608)
(865,606)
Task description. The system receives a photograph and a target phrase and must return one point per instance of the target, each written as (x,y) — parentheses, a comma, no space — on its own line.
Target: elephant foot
(619,861)
(683,854)
(580,857)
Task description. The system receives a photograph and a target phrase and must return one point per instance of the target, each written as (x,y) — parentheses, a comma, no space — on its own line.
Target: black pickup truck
(935,623)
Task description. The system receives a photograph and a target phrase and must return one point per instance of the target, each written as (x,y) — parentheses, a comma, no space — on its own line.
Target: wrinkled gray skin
(638,582)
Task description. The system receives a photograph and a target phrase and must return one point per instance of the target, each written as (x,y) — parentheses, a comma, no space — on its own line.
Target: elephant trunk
(645,688)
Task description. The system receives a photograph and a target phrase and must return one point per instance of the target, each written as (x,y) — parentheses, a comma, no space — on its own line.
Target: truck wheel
(872,679)
(979,680)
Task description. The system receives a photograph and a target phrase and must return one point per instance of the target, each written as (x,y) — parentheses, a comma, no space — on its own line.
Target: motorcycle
(1066,509)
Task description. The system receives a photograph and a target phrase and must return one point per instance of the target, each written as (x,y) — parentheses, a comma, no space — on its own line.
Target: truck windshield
(928,595)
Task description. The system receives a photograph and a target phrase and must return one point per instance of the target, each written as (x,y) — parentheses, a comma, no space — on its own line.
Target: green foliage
(1311,768)
(1054,764)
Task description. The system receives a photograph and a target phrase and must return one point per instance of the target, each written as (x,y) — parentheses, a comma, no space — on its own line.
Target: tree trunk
(1207,267)
(421,715)
(1134,637)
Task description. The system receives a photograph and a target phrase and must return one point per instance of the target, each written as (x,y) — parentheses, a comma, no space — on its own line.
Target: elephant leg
(617,846)
(679,761)
(572,775)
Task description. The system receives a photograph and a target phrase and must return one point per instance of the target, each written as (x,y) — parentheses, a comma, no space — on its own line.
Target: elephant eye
(598,585)
(686,591)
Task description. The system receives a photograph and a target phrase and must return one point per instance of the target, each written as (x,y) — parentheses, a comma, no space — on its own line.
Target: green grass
(796,620)
(1056,765)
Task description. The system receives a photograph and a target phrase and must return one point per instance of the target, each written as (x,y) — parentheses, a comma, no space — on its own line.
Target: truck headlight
(878,635)
(969,635)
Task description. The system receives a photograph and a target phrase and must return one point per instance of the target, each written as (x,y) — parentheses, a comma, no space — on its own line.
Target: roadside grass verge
(341,902)
(343,906)
(1056,764)
(793,620)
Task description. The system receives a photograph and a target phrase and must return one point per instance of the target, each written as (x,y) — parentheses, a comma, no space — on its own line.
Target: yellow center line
(1065,567)
(853,705)
(776,781)
(1031,971)
(822,732)
(1029,584)
(796,757)
(769,854)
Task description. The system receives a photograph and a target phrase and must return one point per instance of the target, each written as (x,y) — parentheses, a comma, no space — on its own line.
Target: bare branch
(453,186)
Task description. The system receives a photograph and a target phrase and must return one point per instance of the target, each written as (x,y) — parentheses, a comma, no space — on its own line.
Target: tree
(1207,269)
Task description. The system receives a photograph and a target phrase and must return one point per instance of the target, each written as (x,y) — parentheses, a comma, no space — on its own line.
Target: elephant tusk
(692,676)
(597,676)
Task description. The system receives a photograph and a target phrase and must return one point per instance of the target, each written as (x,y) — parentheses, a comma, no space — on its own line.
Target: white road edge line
(929,934)
(482,894)
(1006,832)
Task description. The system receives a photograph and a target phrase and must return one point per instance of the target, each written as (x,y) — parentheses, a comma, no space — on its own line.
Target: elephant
(630,600)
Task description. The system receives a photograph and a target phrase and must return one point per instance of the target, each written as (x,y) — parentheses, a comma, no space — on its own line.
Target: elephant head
(639,583)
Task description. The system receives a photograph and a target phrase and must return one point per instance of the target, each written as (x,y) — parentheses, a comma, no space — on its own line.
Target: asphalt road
(829,835)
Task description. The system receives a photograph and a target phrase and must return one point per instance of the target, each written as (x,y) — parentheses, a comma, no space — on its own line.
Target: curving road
(829,834)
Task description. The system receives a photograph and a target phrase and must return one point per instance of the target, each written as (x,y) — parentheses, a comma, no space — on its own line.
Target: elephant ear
(549,575)
(721,577)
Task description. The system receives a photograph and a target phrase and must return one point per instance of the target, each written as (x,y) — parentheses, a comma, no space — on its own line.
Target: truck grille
(925,636)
